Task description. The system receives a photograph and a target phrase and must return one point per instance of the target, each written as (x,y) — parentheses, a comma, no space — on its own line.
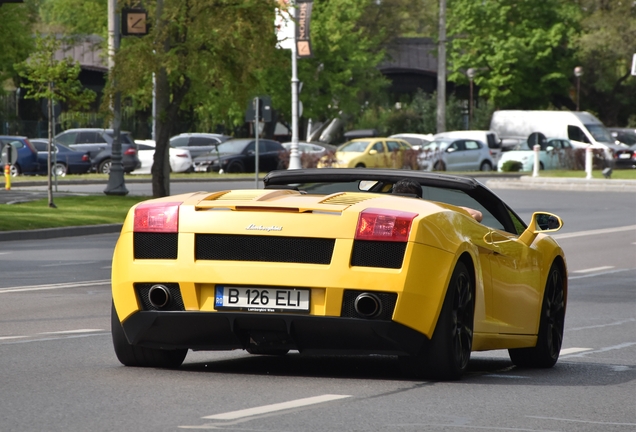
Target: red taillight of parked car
(384,225)
(158,217)
(85,158)
(130,152)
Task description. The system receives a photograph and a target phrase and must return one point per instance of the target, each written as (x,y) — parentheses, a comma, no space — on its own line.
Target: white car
(180,159)
(447,154)
(417,141)
(553,155)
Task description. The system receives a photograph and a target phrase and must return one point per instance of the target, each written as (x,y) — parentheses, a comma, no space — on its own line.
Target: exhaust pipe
(368,305)
(159,295)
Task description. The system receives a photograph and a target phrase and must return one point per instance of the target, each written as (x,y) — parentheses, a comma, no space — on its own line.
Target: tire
(447,355)
(485,166)
(59,169)
(252,349)
(439,166)
(104,166)
(15,170)
(131,355)
(235,167)
(550,337)
(360,165)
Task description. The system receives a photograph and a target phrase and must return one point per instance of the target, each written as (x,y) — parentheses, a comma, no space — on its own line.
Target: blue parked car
(64,160)
(27,161)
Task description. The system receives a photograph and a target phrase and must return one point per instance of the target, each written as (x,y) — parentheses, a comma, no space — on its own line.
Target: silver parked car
(459,154)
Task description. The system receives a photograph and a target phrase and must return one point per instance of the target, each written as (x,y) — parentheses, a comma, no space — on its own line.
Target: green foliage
(521,51)
(57,80)
(511,166)
(76,17)
(15,34)
(604,50)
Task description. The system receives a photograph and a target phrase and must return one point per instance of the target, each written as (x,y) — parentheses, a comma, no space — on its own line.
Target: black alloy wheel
(133,355)
(550,337)
(447,356)
(104,166)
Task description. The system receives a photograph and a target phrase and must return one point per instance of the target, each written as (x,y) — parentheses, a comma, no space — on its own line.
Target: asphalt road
(58,371)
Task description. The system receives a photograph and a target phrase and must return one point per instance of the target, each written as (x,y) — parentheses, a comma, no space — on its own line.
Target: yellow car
(332,261)
(368,153)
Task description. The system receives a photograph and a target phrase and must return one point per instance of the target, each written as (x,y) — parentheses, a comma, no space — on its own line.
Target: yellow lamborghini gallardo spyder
(327,261)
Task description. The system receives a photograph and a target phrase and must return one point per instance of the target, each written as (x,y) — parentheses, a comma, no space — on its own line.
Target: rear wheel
(550,337)
(485,166)
(14,170)
(131,355)
(235,167)
(59,169)
(446,357)
(439,166)
(104,167)
(360,165)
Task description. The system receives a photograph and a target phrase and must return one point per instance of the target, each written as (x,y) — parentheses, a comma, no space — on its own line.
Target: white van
(580,127)
(488,137)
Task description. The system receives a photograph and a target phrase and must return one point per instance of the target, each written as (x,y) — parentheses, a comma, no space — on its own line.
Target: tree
(521,50)
(604,50)
(16,37)
(54,80)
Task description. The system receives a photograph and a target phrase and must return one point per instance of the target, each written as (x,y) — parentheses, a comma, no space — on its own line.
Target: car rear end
(277,269)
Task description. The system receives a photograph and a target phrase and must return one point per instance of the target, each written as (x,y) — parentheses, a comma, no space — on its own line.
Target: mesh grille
(377,254)
(227,247)
(387,300)
(155,245)
(175,303)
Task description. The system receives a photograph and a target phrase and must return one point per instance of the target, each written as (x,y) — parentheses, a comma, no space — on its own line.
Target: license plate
(624,156)
(258,299)
(201,168)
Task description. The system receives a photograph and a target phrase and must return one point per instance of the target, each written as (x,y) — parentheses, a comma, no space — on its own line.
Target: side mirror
(450,149)
(373,152)
(549,148)
(540,223)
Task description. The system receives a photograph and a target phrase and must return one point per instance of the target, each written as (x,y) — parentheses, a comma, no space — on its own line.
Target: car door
(454,156)
(516,290)
(472,155)
(377,156)
(395,153)
(270,160)
(67,138)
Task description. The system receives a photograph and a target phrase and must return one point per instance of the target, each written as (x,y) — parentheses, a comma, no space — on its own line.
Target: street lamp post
(471,76)
(578,71)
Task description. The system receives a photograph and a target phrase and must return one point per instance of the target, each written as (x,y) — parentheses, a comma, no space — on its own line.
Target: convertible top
(337,175)
(471,187)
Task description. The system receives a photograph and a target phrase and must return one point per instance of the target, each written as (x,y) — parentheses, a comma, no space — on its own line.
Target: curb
(49,233)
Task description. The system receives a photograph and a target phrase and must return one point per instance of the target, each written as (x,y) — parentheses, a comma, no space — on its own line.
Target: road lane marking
(595,269)
(24,339)
(568,351)
(74,263)
(615,323)
(594,232)
(72,331)
(54,286)
(265,409)
(602,350)
(598,274)
(11,337)
(583,421)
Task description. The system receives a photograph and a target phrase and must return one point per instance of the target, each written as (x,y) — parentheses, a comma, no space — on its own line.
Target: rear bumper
(307,334)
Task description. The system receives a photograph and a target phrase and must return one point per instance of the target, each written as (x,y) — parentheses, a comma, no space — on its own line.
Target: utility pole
(116,185)
(441,69)
(294,156)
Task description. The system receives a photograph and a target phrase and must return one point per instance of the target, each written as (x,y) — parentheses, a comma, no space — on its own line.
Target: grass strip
(70,211)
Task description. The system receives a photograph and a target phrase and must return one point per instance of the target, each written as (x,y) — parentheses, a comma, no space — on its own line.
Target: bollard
(537,163)
(588,162)
(7,177)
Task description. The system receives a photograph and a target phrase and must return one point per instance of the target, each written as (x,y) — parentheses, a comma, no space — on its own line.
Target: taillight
(130,152)
(384,225)
(157,217)
(85,158)
(183,155)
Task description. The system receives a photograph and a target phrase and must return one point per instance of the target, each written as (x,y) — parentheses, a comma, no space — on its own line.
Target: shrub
(511,166)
